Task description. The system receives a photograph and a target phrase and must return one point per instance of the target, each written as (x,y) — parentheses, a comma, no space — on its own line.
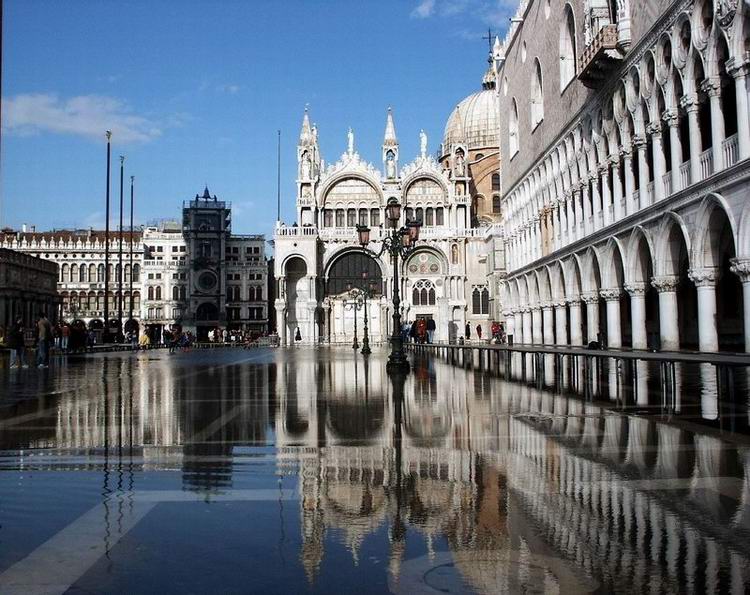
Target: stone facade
(625,173)
(444,279)
(27,286)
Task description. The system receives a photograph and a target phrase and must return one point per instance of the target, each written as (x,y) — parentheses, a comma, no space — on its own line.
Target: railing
(667,181)
(596,51)
(284,231)
(707,164)
(731,148)
(684,176)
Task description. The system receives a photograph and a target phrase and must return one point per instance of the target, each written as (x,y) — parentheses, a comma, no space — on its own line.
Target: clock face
(206,281)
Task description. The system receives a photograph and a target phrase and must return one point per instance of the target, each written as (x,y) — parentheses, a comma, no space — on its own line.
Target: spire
(206,193)
(305,135)
(389,138)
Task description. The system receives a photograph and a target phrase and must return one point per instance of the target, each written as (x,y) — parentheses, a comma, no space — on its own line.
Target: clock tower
(206,225)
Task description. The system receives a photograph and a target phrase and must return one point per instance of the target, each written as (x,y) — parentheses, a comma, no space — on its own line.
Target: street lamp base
(355,345)
(366,350)
(397,366)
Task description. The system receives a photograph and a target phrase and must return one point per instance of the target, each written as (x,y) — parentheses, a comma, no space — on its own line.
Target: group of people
(421,330)
(19,338)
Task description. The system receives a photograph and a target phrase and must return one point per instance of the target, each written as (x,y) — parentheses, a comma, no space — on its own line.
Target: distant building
(27,287)
(194,273)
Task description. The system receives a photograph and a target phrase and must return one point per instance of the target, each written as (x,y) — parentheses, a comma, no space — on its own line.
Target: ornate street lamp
(367,291)
(399,243)
(356,304)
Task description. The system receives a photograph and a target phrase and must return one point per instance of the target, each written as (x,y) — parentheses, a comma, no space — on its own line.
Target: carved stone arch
(663,253)
(572,271)
(703,228)
(421,175)
(514,290)
(544,284)
(591,278)
(533,287)
(743,238)
(695,61)
(633,270)
(557,280)
(610,274)
(328,185)
(436,252)
(338,253)
(290,257)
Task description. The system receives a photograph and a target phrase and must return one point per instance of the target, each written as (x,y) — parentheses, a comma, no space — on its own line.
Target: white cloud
(85,115)
(424,9)
(232,89)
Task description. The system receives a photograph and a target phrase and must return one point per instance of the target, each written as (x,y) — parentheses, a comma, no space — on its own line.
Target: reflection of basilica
(511,476)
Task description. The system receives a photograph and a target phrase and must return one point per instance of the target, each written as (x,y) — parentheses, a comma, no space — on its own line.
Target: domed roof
(474,122)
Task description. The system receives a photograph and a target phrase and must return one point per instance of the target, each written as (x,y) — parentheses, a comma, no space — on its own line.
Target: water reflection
(545,481)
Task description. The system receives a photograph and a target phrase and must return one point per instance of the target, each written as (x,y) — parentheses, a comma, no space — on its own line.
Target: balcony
(600,57)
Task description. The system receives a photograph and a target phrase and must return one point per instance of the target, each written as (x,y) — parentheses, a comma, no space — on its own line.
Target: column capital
(590,297)
(507,313)
(535,307)
(711,87)
(665,283)
(636,289)
(640,142)
(741,268)
(704,277)
(626,152)
(573,302)
(689,102)
(560,303)
(611,294)
(738,68)
(654,129)
(671,118)
(546,305)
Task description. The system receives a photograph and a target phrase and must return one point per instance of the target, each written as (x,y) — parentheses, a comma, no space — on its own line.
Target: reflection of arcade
(510,475)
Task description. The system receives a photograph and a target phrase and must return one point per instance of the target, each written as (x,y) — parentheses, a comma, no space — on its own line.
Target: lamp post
(367,290)
(399,243)
(356,303)
(120,267)
(130,278)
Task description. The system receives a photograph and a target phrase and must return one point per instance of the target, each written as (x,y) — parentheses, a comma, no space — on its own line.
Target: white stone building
(444,279)
(625,173)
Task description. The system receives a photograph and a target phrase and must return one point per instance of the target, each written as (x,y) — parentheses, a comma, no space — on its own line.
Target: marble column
(675,147)
(509,322)
(562,206)
(591,299)
(596,202)
(637,292)
(741,268)
(690,104)
(588,215)
(606,195)
(655,131)
(712,88)
(627,157)
(527,333)
(517,326)
(705,280)
(548,324)
(571,216)
(739,72)
(614,332)
(616,189)
(576,327)
(561,323)
(643,173)
(669,330)
(536,325)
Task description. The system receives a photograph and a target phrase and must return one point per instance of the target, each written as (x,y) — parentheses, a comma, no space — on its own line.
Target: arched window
(183,293)
(259,294)
(92,273)
(454,254)
(423,293)
(480,300)
(175,293)
(537,96)
(513,143)
(74,273)
(136,301)
(100,274)
(251,293)
(349,269)
(496,203)
(439,216)
(83,274)
(65,273)
(429,216)
(150,293)
(496,182)
(567,48)
(351,217)
(157,293)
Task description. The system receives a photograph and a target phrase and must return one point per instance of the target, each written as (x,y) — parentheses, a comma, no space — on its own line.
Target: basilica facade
(455,195)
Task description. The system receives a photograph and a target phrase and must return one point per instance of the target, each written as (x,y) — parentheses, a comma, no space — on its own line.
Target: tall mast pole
(278,176)
(105,336)
(132,270)
(119,256)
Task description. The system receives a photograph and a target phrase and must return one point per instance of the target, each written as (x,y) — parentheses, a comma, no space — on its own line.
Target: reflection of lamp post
(356,303)
(367,291)
(401,242)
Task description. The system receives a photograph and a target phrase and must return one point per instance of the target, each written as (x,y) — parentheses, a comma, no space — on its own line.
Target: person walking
(468,331)
(431,327)
(44,335)
(479,332)
(17,345)
(144,341)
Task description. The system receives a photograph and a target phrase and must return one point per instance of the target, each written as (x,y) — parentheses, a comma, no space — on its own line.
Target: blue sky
(196,90)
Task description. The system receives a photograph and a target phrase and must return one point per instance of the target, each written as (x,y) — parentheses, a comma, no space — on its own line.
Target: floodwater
(301,470)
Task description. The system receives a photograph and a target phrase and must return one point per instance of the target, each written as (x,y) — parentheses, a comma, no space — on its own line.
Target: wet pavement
(301,470)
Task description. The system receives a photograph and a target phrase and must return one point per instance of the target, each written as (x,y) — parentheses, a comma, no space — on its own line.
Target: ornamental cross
(489,39)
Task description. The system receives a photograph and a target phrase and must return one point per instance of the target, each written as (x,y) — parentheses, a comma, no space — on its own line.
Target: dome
(474,122)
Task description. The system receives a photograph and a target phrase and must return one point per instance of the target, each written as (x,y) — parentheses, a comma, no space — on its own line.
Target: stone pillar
(637,292)
(518,326)
(739,72)
(659,168)
(741,268)
(591,299)
(562,206)
(614,331)
(509,322)
(627,157)
(690,104)
(643,173)
(561,323)
(527,332)
(669,330)
(578,212)
(536,325)
(675,147)
(576,328)
(571,218)
(548,324)
(606,195)
(281,321)
(616,189)
(712,88)
(705,281)
(587,211)
(596,203)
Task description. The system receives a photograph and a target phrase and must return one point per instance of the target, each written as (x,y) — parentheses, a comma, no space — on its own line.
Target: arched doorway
(300,292)
(360,270)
